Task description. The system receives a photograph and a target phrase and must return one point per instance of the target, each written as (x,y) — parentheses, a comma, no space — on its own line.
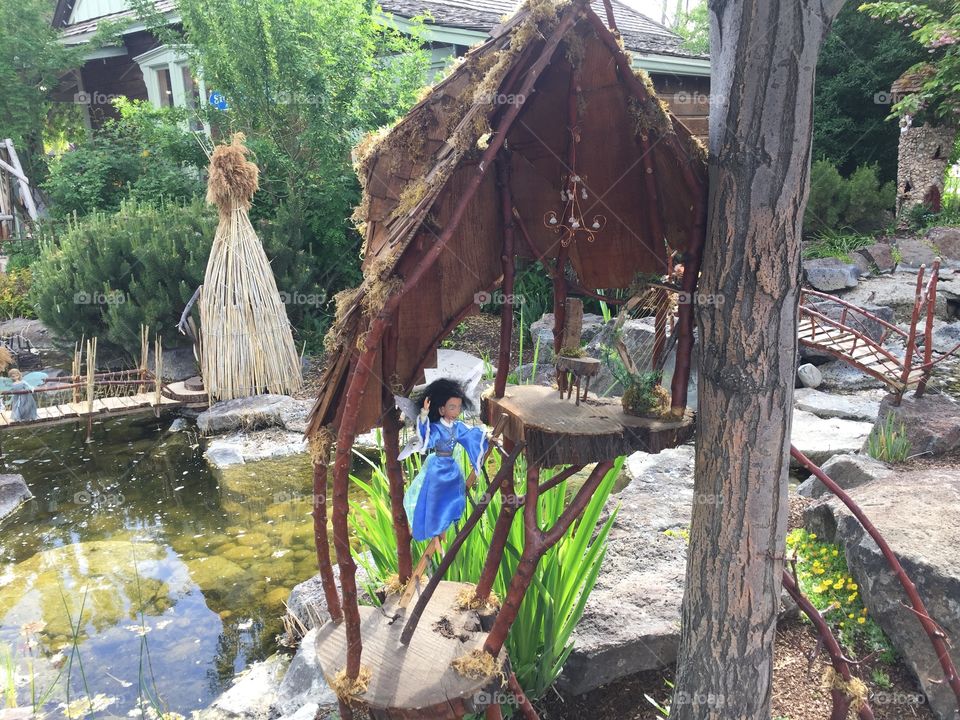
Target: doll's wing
(408,408)
(414,444)
(6,383)
(34,379)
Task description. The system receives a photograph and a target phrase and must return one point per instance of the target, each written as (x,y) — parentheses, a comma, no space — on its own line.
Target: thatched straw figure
(246,345)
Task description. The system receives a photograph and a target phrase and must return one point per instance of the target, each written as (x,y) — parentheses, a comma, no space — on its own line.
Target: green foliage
(111,272)
(539,641)
(535,290)
(31,62)
(860,202)
(836,244)
(881,678)
(889,442)
(144,155)
(860,59)
(936,27)
(15,294)
(825,579)
(642,394)
(694,28)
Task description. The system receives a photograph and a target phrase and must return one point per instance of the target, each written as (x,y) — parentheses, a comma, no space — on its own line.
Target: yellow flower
(853,586)
(835,553)
(852,597)
(813,536)
(818,571)
(863,612)
(850,615)
(861,620)
(837,586)
(145,153)
(841,623)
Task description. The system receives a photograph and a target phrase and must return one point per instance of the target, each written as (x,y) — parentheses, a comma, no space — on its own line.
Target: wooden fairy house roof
(645,173)
(912,80)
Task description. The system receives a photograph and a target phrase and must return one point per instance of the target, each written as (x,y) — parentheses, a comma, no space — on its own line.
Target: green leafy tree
(936,26)
(145,154)
(694,27)
(324,73)
(31,61)
(861,58)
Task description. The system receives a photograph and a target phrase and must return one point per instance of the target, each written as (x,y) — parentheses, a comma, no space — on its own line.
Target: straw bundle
(247,346)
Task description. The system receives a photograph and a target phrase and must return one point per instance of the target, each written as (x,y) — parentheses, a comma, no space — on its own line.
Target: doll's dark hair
(439,391)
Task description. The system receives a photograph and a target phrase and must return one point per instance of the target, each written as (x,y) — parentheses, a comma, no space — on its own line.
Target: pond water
(136,566)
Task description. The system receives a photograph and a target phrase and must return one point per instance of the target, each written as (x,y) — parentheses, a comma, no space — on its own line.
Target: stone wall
(922,166)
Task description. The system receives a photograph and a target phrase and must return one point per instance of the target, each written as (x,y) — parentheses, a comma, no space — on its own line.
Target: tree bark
(764,55)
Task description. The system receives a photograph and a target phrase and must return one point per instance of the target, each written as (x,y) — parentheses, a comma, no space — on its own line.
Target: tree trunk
(764,55)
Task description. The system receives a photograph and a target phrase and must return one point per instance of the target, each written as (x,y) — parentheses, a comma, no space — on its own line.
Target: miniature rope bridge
(856,336)
(88,394)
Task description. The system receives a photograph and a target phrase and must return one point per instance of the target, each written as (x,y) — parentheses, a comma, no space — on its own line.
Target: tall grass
(889,442)
(539,641)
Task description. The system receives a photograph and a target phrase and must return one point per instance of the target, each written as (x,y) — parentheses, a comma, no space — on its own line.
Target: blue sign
(218,100)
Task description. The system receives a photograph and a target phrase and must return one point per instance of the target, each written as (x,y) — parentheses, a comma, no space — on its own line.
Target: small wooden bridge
(89,394)
(847,332)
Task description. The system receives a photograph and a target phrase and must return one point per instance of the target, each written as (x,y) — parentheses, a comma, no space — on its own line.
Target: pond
(137,566)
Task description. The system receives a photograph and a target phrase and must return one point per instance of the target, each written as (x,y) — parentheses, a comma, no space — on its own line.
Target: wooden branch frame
(360,374)
(507,259)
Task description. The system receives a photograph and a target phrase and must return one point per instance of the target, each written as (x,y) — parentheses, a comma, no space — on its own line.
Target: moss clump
(572,352)
(644,397)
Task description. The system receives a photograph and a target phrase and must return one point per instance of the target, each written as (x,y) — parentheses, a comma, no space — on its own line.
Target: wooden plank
(113,403)
(5,418)
(127,401)
(48,413)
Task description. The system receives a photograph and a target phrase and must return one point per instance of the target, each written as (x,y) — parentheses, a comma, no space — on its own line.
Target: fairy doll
(437,496)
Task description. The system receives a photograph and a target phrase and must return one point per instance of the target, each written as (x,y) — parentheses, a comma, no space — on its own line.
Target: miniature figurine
(23,406)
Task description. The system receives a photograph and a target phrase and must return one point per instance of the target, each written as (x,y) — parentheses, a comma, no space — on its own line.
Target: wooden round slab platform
(557,432)
(417,680)
(180,391)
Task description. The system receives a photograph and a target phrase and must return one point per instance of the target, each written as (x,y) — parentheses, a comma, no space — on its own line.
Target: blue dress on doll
(437,496)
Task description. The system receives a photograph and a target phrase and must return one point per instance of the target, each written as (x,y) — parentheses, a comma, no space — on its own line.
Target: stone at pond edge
(13,493)
(309,605)
(932,422)
(864,405)
(809,375)
(822,438)
(253,413)
(243,447)
(946,241)
(838,375)
(918,514)
(252,694)
(847,471)
(829,274)
(303,684)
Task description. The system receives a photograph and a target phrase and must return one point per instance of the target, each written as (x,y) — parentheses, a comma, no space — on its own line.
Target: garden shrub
(859,203)
(146,155)
(15,294)
(108,273)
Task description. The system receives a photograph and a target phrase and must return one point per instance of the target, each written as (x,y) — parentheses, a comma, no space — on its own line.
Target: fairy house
(543,143)
(924,151)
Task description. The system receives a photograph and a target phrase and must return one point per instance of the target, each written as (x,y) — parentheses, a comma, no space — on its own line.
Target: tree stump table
(575,369)
(417,680)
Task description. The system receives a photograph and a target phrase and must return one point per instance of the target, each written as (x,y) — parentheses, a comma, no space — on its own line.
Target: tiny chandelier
(572,223)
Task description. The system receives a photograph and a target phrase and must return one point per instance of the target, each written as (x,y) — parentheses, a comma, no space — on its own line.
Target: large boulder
(542,330)
(308,603)
(809,375)
(463,367)
(822,438)
(638,337)
(918,513)
(253,413)
(915,252)
(863,405)
(847,471)
(243,447)
(253,693)
(843,377)
(35,331)
(304,691)
(178,363)
(830,274)
(946,242)
(879,257)
(932,422)
(632,619)
(13,493)
(898,290)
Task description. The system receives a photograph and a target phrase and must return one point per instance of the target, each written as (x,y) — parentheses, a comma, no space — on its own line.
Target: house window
(169,81)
